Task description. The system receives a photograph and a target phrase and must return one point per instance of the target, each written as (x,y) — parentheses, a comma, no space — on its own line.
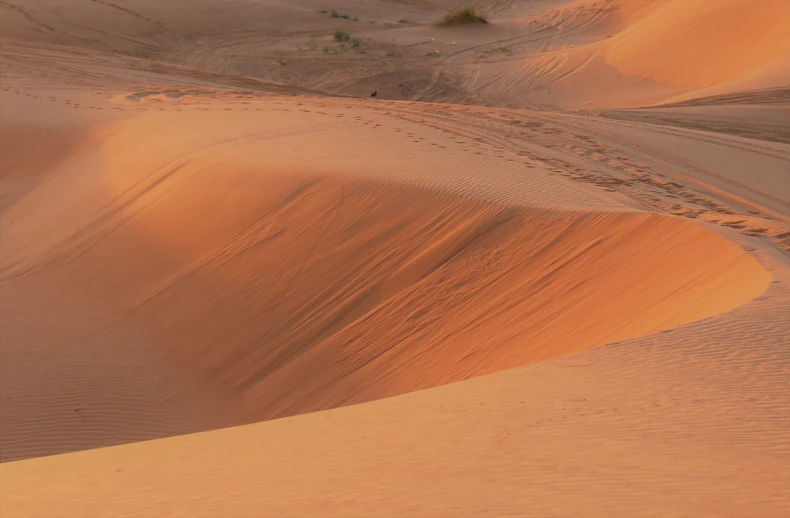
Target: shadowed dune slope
(211,291)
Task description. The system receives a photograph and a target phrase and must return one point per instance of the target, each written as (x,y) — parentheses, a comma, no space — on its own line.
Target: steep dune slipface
(208,290)
(387,291)
(702,43)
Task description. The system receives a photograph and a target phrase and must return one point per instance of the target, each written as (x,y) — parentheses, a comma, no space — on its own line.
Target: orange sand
(697,43)
(197,233)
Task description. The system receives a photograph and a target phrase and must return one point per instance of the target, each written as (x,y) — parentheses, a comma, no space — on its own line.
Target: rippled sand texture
(231,286)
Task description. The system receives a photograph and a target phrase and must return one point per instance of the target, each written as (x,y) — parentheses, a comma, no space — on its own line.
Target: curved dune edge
(191,306)
(703,43)
(389,289)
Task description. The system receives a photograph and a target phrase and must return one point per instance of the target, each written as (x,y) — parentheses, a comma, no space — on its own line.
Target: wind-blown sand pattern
(545,272)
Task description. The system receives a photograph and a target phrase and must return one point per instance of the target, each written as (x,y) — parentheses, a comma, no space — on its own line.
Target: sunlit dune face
(701,43)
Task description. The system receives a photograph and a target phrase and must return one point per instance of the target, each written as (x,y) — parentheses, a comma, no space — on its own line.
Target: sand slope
(281,290)
(684,423)
(702,43)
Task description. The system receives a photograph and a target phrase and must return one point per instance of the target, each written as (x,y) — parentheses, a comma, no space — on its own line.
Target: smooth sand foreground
(248,293)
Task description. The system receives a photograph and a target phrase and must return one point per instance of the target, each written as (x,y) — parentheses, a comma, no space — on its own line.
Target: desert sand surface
(545,271)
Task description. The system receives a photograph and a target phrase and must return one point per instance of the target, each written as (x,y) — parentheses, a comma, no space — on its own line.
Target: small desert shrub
(460,16)
(341,36)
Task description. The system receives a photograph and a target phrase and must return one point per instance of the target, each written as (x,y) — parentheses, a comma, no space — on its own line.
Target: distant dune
(703,44)
(567,54)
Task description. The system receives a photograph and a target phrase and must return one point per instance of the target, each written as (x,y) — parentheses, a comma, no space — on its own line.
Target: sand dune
(644,53)
(282,291)
(701,43)
(455,309)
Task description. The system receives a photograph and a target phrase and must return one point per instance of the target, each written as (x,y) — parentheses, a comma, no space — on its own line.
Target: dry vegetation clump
(462,16)
(335,14)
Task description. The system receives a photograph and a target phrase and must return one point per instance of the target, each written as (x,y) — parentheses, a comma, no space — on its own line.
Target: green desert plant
(341,36)
(462,16)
